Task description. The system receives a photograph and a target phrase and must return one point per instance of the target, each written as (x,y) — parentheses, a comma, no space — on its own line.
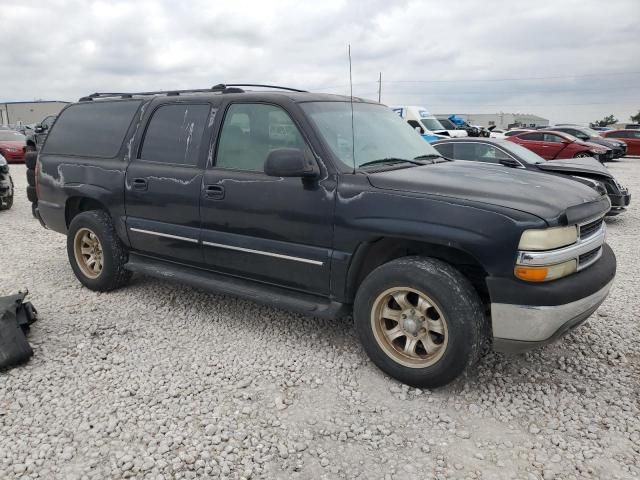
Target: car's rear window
(91,129)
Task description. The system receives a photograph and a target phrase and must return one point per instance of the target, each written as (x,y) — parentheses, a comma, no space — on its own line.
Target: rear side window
(91,129)
(444,149)
(536,137)
(174,134)
(620,135)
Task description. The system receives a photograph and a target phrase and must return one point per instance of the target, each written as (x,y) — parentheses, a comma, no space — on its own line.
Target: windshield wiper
(430,156)
(389,160)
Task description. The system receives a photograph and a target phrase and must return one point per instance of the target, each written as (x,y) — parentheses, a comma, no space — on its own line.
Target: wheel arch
(370,255)
(78,204)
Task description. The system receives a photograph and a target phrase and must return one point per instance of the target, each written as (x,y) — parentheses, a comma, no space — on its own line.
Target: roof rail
(221,88)
(223,85)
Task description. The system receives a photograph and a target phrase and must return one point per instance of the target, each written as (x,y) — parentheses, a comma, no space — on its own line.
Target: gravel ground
(162,381)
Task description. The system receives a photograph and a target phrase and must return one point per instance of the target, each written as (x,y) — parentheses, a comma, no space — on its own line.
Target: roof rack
(220,88)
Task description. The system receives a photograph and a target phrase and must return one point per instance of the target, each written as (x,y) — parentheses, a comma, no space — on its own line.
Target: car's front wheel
(420,321)
(582,155)
(96,254)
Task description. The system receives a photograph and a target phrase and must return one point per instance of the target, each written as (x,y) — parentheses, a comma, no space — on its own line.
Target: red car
(630,137)
(552,145)
(12,145)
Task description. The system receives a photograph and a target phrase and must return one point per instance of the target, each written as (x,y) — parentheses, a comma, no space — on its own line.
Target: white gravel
(162,381)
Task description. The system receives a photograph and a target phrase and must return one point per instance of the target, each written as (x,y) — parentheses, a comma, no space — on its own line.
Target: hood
(574,166)
(11,144)
(607,142)
(545,196)
(592,145)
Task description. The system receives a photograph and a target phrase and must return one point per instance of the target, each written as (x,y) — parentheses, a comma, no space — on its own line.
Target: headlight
(598,151)
(546,273)
(548,238)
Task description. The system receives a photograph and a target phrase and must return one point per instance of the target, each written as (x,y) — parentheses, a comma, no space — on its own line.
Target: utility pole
(379,87)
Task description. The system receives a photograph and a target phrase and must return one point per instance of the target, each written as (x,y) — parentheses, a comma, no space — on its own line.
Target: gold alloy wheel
(409,327)
(88,252)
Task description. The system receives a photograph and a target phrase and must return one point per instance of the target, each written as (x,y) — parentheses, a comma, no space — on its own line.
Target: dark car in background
(628,136)
(472,130)
(503,153)
(552,145)
(12,146)
(36,139)
(589,135)
(6,185)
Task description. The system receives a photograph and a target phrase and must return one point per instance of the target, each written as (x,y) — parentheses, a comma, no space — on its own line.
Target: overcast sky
(564,60)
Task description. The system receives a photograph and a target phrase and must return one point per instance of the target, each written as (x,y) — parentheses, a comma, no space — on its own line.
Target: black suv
(327,207)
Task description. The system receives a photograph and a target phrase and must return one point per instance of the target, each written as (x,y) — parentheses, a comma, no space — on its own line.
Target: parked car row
(330,206)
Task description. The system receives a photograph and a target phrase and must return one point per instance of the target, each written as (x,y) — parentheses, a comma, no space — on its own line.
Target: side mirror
(509,162)
(290,162)
(39,129)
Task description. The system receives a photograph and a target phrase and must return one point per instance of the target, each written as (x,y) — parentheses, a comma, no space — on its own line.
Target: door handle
(140,184)
(215,192)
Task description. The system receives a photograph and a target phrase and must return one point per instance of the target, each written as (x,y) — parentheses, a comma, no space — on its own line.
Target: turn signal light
(546,273)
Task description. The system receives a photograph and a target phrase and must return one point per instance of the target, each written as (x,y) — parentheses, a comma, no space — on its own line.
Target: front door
(272,229)
(163,181)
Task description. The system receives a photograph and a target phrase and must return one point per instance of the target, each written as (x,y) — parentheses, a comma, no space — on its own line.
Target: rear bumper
(539,314)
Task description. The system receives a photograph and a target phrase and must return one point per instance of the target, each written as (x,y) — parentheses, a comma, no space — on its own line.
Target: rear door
(272,229)
(535,142)
(163,181)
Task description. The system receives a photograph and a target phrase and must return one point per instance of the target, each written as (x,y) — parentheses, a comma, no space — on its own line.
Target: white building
(25,113)
(504,121)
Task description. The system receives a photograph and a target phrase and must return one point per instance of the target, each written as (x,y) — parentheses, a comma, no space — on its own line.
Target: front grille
(585,258)
(590,228)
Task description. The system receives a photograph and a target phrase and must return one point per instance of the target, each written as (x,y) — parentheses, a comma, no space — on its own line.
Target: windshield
(379,132)
(431,123)
(10,136)
(523,153)
(448,124)
(590,132)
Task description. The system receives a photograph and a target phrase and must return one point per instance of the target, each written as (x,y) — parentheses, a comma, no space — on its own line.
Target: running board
(258,292)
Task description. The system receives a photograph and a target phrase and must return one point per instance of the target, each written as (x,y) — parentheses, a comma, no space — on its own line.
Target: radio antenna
(353,135)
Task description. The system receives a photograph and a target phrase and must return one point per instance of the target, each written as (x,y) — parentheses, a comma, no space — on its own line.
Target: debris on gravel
(157,380)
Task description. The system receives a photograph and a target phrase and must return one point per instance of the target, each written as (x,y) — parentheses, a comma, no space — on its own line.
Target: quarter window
(174,134)
(251,131)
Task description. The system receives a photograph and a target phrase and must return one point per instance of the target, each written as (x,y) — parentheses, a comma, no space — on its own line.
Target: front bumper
(619,202)
(525,316)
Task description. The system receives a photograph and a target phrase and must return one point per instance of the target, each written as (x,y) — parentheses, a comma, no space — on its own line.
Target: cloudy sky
(569,60)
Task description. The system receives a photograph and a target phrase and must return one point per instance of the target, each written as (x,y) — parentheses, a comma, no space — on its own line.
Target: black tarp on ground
(15,318)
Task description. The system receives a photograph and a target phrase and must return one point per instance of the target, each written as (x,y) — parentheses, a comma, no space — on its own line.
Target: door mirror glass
(290,162)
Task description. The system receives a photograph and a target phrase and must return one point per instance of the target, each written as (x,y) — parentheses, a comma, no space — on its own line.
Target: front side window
(377,134)
(619,135)
(478,152)
(431,123)
(174,134)
(251,131)
(549,137)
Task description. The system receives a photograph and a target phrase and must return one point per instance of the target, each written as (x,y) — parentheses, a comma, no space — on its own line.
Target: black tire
(32,195)
(33,209)
(452,294)
(113,274)
(31,177)
(30,159)
(31,147)
(7,202)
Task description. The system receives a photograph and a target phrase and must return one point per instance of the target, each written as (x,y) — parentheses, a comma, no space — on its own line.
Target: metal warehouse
(25,113)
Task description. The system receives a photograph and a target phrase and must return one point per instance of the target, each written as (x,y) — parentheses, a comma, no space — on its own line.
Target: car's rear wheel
(420,321)
(95,252)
